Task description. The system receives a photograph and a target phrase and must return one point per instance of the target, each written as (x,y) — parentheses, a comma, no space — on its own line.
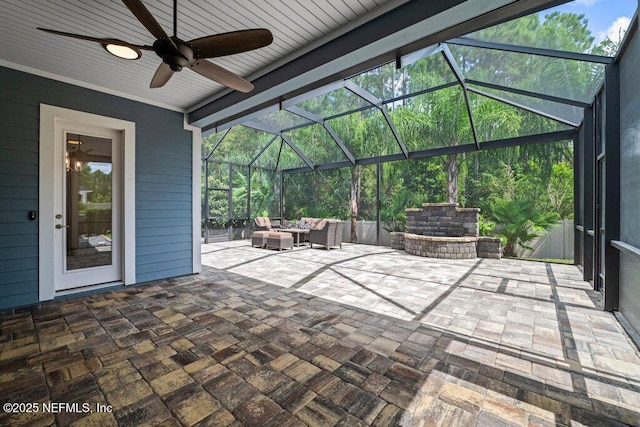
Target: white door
(87,206)
(86,223)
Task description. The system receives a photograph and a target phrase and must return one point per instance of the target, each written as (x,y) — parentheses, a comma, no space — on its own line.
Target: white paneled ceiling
(295,24)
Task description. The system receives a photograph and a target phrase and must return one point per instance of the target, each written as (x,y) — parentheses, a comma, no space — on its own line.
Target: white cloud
(616,31)
(586,2)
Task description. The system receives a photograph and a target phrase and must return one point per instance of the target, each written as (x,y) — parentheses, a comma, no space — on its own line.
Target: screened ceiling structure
(401,103)
(485,90)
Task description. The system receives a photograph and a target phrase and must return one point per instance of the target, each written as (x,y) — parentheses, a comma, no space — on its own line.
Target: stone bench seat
(441,247)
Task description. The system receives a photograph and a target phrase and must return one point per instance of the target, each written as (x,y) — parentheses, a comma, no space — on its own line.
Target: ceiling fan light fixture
(123,51)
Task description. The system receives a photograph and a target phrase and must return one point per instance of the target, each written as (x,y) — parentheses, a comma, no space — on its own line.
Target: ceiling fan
(177,54)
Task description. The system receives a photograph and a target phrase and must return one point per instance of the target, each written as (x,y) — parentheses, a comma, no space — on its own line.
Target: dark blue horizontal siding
(169,230)
(158,178)
(28,234)
(156,249)
(151,214)
(166,152)
(154,168)
(19,252)
(161,222)
(17,232)
(163,270)
(18,192)
(10,132)
(167,188)
(163,181)
(27,181)
(11,277)
(161,240)
(19,168)
(22,264)
(166,196)
(16,288)
(11,156)
(26,297)
(159,204)
(164,257)
(21,205)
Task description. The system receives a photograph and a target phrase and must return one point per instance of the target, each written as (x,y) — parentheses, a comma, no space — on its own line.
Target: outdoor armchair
(325,236)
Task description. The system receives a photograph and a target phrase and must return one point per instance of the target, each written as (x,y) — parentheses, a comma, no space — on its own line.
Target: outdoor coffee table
(296,232)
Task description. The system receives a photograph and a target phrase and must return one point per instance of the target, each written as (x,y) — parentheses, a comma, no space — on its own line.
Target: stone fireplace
(444,230)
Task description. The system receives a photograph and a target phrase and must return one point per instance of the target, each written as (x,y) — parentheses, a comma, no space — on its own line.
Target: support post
(611,118)
(588,192)
(378,202)
(281,198)
(248,201)
(205,214)
(577,192)
(230,204)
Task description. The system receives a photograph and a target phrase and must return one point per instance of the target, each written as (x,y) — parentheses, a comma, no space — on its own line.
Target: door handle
(61,226)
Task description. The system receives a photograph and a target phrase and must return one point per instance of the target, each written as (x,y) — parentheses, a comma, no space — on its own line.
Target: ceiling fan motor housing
(176,57)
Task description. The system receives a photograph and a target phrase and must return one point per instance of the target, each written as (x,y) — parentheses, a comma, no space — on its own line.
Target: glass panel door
(88,207)
(89,196)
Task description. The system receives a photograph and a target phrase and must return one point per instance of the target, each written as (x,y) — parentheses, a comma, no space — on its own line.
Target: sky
(606,17)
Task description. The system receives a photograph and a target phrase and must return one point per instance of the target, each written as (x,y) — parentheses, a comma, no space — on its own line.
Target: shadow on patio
(361,336)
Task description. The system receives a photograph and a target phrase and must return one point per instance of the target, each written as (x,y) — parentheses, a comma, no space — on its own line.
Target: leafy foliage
(519,222)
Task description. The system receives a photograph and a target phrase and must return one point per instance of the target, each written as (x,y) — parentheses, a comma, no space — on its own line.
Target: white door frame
(51,119)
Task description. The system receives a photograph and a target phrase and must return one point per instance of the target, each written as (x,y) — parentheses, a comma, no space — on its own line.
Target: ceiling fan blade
(230,43)
(221,75)
(162,76)
(146,18)
(94,39)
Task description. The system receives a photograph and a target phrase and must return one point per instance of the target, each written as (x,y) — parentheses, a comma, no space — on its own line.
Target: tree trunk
(452,179)
(510,250)
(355,201)
(476,163)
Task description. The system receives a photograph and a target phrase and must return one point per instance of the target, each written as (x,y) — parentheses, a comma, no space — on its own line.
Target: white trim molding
(49,117)
(80,83)
(196,214)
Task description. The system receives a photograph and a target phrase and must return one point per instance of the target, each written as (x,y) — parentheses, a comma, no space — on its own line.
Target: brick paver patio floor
(360,336)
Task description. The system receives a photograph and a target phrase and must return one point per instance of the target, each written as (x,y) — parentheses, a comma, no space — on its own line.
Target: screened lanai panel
(209,142)
(496,120)
(239,180)
(241,145)
(265,193)
(366,134)
(386,82)
(379,81)
(218,205)
(564,111)
(269,158)
(540,174)
(548,30)
(318,194)
(289,159)
(281,119)
(335,102)
(433,120)
(316,143)
(218,175)
(425,73)
(564,78)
